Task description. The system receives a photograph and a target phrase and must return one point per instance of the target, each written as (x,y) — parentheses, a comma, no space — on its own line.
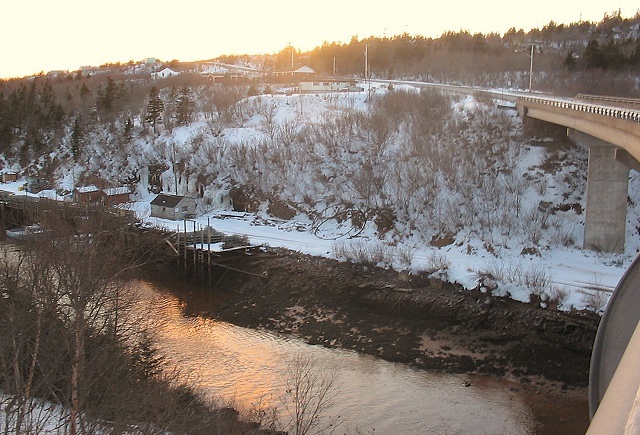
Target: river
(245,368)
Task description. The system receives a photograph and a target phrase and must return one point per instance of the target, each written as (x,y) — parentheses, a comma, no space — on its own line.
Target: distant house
(291,75)
(173,207)
(215,78)
(167,72)
(89,69)
(329,86)
(115,195)
(303,71)
(8,177)
(86,194)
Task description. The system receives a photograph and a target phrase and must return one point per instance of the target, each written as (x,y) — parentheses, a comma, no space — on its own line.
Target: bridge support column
(607,191)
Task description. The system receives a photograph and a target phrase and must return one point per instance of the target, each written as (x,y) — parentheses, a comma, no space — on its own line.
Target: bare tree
(69,334)
(90,261)
(309,394)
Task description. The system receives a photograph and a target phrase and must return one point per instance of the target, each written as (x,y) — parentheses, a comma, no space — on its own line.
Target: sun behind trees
(69,335)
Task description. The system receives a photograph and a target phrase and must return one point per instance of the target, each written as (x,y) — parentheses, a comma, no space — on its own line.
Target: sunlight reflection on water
(244,366)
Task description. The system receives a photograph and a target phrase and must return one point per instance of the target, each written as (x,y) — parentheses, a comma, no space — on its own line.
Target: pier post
(607,191)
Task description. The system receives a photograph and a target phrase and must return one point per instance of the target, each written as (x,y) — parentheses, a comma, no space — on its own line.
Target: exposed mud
(413,320)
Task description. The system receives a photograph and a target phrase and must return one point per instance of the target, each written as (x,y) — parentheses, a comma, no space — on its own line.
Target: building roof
(167,71)
(87,189)
(116,191)
(164,200)
(301,70)
(304,70)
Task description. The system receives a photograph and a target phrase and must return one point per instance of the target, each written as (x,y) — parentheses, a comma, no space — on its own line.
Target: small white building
(329,86)
(167,72)
(303,71)
(173,207)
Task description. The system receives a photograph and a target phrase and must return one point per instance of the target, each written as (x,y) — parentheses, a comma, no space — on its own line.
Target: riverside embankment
(413,320)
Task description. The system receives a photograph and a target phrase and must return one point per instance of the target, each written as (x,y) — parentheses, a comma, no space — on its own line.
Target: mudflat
(415,320)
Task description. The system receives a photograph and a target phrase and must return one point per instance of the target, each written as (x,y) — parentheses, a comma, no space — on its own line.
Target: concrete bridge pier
(607,192)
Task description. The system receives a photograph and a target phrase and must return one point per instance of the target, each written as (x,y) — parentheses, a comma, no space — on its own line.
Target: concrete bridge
(610,129)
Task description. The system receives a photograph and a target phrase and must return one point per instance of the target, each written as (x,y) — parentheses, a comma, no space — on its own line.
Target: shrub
(597,300)
(436,262)
(405,256)
(363,252)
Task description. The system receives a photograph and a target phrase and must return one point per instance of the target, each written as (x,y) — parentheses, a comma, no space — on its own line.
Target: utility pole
(366,61)
(175,172)
(530,56)
(531,69)
(367,74)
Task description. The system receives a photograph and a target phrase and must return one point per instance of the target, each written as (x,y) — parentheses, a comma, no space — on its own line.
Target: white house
(173,207)
(167,72)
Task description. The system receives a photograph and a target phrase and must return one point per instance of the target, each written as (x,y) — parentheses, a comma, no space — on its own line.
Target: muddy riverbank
(413,320)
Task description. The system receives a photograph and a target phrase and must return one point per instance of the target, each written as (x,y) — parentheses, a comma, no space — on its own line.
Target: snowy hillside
(415,180)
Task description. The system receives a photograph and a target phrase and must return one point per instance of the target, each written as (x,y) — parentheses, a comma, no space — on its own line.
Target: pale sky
(44,35)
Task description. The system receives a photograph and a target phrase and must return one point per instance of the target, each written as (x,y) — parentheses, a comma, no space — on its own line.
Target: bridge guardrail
(634,101)
(610,111)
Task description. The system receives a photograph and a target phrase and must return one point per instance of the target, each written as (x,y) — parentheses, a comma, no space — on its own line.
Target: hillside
(405,178)
(417,180)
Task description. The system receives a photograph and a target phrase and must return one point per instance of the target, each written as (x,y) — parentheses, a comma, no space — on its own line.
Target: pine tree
(155,107)
(84,90)
(185,107)
(107,96)
(76,140)
(6,121)
(570,62)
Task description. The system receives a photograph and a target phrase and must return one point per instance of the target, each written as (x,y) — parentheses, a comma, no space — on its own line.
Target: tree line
(394,55)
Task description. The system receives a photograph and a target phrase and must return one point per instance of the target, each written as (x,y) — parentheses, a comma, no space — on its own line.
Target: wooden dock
(199,249)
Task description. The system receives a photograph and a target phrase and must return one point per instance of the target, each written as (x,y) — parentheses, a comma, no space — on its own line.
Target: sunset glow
(41,35)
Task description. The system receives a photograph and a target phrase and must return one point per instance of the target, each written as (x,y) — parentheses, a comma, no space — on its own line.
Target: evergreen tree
(6,121)
(76,140)
(170,109)
(155,106)
(84,90)
(570,62)
(107,96)
(185,107)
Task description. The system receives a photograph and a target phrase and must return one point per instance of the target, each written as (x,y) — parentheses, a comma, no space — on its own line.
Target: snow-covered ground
(575,278)
(584,277)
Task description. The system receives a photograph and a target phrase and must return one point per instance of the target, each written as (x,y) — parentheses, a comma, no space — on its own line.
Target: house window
(184,208)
